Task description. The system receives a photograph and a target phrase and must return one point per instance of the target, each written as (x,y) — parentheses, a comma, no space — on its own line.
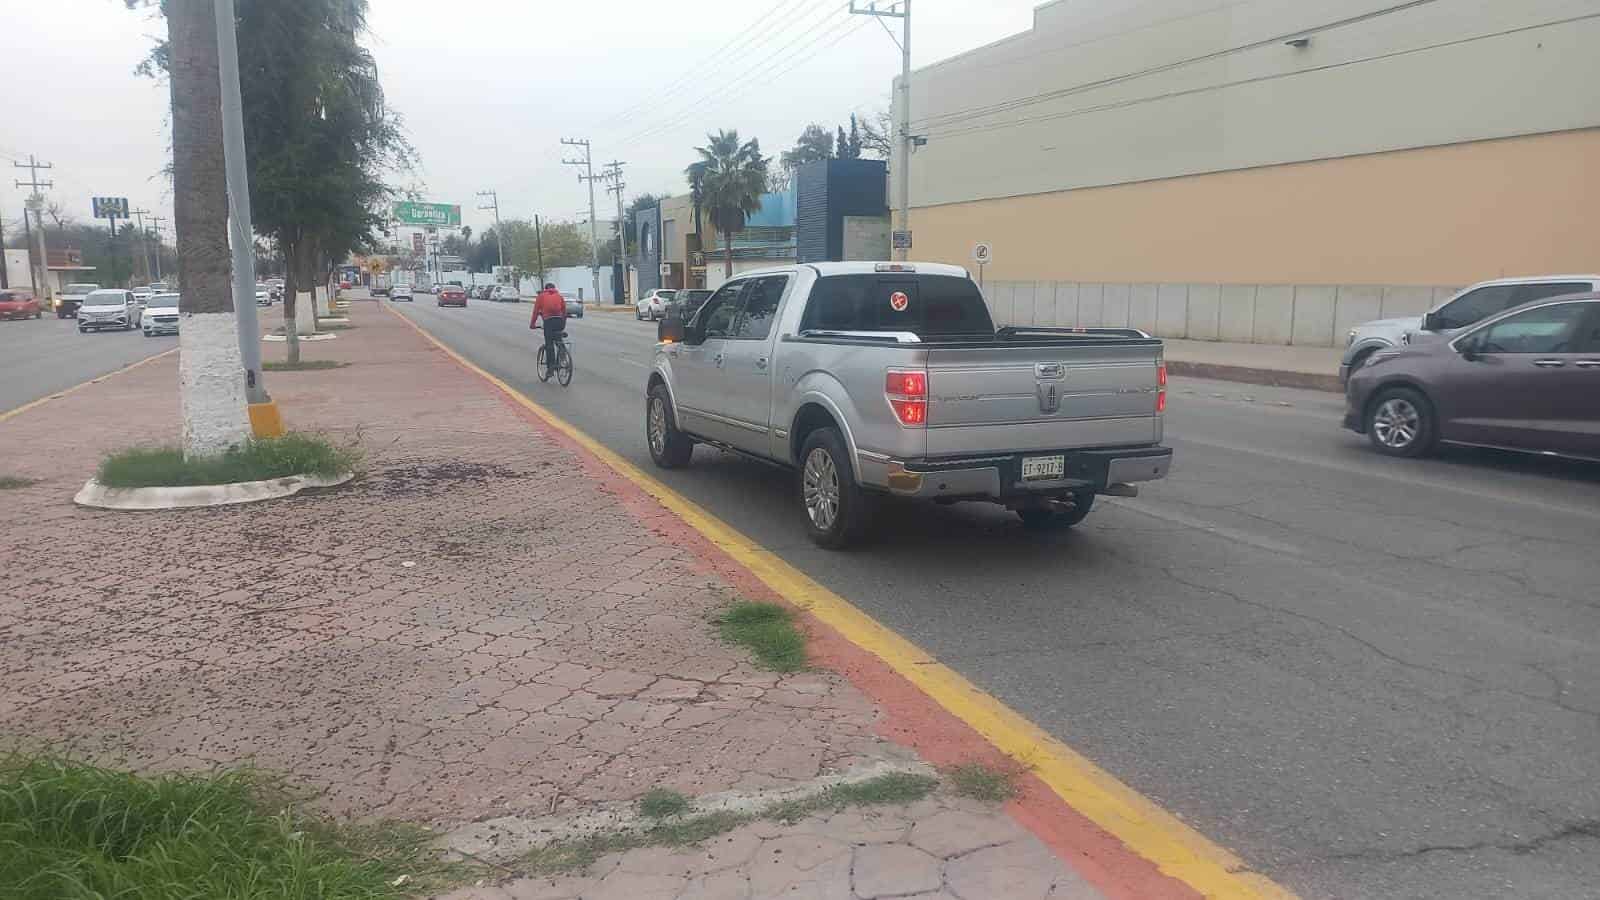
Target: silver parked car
(1466,308)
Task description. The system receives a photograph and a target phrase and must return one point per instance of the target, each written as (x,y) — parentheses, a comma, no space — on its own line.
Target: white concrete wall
(714,268)
(1312,315)
(1434,74)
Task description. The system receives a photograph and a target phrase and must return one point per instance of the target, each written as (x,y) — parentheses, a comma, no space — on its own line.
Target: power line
(693,73)
(723,97)
(798,44)
(935,121)
(1136,101)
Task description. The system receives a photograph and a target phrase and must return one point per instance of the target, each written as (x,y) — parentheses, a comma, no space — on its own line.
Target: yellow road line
(1148,830)
(78,387)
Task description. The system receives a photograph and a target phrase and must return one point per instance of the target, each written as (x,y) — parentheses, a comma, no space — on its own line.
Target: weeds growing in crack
(661,802)
(676,830)
(982,782)
(11,482)
(769,631)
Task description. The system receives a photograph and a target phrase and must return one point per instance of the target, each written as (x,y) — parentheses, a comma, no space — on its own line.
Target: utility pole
(5,278)
(144,248)
(39,267)
(538,247)
(156,221)
(588,177)
(899,9)
(613,174)
(241,231)
(499,237)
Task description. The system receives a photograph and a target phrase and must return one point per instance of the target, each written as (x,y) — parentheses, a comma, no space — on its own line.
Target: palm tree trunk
(211,373)
(727,256)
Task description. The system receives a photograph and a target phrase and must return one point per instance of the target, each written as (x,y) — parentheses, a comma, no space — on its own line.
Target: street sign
(902,240)
(441,214)
(983,254)
(666,269)
(111,207)
(416,244)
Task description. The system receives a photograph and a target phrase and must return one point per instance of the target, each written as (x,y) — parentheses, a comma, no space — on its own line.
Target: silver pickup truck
(891,378)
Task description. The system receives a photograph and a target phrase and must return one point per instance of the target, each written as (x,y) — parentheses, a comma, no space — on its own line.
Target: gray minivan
(1527,379)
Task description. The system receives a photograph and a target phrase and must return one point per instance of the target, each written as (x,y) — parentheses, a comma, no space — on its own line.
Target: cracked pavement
(482,625)
(1325,660)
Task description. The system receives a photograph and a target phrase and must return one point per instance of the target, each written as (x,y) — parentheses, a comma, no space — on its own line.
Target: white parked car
(143,294)
(506,293)
(108,309)
(263,295)
(400,292)
(653,305)
(160,315)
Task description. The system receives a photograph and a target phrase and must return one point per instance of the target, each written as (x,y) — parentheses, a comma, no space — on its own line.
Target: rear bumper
(999,478)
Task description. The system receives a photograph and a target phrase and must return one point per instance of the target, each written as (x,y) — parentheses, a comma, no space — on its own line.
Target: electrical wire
(1120,104)
(692,73)
(935,121)
(740,84)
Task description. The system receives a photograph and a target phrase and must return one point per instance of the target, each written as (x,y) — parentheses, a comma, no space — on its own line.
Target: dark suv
(1527,379)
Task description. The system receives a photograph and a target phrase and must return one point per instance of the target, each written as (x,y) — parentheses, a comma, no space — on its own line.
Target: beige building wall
(1441,215)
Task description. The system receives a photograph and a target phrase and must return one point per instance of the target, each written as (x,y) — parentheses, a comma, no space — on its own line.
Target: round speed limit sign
(983,254)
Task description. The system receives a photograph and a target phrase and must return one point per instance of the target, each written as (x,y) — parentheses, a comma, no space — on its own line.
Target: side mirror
(1430,322)
(1468,348)
(670,330)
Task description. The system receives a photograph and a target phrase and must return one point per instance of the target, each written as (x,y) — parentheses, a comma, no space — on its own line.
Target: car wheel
(1401,422)
(1046,518)
(38,314)
(834,505)
(669,447)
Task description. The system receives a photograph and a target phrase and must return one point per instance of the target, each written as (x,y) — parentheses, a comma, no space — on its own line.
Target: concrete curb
(1272,377)
(320,336)
(97,495)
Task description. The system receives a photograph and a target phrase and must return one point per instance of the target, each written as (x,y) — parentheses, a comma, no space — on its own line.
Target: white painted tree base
(305,313)
(211,385)
(99,496)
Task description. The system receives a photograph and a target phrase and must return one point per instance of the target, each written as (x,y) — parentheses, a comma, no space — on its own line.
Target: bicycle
(563,370)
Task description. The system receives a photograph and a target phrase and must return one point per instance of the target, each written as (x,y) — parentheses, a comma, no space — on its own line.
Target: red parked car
(19,305)
(452,295)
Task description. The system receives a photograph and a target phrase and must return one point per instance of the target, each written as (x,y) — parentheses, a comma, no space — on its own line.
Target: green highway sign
(444,215)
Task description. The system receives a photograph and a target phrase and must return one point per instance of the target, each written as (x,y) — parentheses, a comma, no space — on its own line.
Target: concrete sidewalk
(1315,368)
(487,625)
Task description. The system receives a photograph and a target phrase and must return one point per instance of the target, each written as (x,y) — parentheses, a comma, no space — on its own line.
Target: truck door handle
(761,362)
(1588,363)
(1549,363)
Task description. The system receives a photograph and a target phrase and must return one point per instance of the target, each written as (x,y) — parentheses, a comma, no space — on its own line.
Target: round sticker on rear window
(898,301)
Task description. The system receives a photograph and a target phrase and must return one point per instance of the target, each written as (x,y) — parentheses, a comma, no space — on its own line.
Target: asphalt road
(1370,677)
(41,356)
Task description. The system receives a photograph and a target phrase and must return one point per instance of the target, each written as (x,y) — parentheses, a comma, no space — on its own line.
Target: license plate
(1039,468)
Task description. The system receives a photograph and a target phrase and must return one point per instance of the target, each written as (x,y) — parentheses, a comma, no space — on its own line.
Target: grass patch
(769,631)
(73,830)
(574,855)
(335,326)
(257,460)
(981,782)
(11,482)
(304,365)
(660,803)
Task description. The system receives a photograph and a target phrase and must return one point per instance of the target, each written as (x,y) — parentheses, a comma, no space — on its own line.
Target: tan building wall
(1436,216)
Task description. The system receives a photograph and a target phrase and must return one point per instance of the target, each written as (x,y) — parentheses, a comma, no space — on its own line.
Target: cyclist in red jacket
(552,307)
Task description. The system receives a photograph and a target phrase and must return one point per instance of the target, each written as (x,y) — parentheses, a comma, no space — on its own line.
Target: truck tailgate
(1042,396)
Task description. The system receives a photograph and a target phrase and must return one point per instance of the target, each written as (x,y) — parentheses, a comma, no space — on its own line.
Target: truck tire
(669,447)
(835,508)
(1042,519)
(1400,422)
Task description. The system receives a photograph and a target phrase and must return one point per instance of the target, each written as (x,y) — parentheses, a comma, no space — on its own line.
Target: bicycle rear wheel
(540,367)
(564,366)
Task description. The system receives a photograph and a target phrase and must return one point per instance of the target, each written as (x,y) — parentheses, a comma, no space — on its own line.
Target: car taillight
(907,392)
(1161,393)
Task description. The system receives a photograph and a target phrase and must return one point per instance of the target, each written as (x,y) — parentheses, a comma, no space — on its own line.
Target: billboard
(445,215)
(110,207)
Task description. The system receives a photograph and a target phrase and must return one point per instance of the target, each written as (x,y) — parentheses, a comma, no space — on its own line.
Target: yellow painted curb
(1145,828)
(78,387)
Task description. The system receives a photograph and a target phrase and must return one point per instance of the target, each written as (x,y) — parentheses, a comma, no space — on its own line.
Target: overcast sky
(488,87)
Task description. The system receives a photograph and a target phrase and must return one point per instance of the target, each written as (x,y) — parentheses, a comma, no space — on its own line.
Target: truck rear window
(924,305)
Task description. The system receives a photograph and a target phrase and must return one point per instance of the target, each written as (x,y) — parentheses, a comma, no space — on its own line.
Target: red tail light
(907,392)
(1161,394)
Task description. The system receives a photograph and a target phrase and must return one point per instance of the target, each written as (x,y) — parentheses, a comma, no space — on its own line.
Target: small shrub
(981,782)
(660,803)
(769,631)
